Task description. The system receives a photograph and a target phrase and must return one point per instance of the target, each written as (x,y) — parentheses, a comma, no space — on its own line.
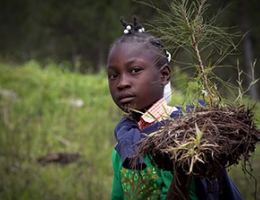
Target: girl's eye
(136,70)
(112,76)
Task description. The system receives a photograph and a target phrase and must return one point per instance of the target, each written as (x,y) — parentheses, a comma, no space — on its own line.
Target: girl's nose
(123,82)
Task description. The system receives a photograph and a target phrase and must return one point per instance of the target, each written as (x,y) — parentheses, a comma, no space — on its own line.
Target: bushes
(40,120)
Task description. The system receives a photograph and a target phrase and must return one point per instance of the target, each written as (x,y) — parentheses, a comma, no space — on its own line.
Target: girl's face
(135,82)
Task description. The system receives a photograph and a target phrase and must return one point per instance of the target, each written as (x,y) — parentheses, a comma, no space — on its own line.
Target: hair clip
(127,29)
(141,30)
(127,26)
(168,55)
(137,26)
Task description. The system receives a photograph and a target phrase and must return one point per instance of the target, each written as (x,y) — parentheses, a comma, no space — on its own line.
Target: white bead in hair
(126,31)
(128,27)
(169,56)
(141,30)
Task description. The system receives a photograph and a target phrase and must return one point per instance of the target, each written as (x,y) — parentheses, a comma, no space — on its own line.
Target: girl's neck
(136,116)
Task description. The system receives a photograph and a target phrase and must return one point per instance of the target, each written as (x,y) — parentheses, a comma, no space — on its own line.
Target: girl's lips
(126,99)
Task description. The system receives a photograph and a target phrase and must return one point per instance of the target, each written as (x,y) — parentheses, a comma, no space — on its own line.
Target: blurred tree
(248,46)
(81,31)
(56,30)
(13,14)
(241,16)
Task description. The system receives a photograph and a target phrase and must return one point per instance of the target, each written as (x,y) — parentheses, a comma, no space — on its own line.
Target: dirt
(203,142)
(58,158)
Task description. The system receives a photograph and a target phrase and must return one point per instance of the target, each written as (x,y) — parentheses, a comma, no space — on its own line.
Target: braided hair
(134,32)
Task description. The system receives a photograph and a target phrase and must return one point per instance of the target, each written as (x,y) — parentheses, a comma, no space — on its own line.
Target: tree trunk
(247,49)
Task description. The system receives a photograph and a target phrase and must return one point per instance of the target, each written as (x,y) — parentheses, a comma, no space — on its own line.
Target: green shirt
(149,184)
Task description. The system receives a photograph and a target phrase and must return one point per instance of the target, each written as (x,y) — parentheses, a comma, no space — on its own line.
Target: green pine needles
(211,138)
(185,27)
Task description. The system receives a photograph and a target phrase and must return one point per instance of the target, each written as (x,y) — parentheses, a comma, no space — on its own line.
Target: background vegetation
(39,117)
(54,98)
(70,31)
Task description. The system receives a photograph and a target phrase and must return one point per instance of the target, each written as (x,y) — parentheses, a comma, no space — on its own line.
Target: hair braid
(135,33)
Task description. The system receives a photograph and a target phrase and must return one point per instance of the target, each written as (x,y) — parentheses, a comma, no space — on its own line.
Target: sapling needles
(207,139)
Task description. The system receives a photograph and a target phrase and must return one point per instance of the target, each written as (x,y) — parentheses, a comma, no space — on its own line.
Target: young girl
(138,71)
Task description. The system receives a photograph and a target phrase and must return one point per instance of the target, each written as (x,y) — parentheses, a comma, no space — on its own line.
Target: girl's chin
(128,108)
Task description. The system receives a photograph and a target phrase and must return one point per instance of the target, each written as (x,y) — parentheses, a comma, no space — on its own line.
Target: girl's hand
(180,186)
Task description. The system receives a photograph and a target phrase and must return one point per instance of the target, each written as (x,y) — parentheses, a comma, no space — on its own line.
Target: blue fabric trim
(128,137)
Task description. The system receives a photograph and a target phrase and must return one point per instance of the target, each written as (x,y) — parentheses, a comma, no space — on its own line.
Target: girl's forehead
(125,53)
(133,48)
(133,44)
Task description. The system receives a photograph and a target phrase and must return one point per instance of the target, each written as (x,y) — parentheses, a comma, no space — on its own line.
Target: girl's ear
(165,71)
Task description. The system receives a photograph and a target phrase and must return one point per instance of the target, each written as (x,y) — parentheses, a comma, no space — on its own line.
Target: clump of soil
(203,142)
(58,158)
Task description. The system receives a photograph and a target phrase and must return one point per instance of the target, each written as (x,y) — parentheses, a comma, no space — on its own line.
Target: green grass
(40,120)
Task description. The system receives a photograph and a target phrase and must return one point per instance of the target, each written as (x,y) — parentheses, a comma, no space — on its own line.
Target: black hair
(135,33)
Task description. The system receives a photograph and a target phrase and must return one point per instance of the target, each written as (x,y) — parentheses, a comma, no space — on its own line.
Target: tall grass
(41,120)
(37,118)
